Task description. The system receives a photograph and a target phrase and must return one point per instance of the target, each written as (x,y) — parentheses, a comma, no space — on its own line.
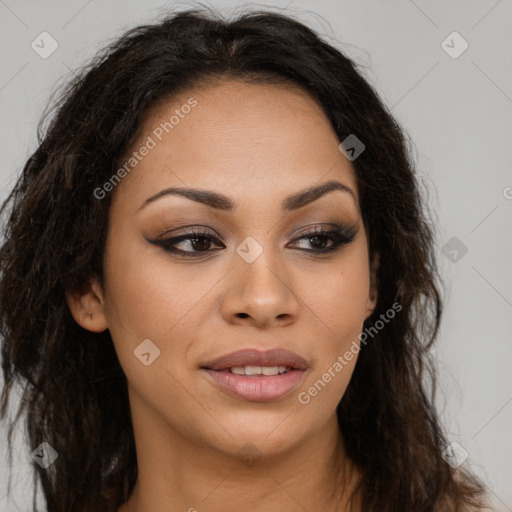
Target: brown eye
(197,243)
(193,243)
(324,241)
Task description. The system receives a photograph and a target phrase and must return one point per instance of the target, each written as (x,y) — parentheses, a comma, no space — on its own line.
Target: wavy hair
(74,392)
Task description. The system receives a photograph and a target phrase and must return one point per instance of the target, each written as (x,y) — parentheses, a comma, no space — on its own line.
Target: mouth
(257,376)
(248,358)
(252,371)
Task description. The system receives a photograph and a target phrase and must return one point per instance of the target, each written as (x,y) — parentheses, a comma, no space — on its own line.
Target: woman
(218,285)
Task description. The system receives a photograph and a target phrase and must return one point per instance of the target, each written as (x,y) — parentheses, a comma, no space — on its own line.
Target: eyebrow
(222,202)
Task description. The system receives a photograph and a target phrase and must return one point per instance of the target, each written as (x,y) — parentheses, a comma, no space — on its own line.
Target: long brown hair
(74,392)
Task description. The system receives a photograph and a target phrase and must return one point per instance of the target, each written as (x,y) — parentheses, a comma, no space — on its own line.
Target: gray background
(458,112)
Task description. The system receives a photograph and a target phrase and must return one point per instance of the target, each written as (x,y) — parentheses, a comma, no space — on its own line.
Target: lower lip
(258,388)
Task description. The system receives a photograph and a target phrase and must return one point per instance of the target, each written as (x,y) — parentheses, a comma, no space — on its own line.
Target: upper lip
(251,357)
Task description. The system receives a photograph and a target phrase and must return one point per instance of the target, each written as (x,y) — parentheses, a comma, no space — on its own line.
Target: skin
(256,144)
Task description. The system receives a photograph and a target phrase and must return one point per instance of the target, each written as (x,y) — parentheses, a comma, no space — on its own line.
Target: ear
(374,285)
(87,307)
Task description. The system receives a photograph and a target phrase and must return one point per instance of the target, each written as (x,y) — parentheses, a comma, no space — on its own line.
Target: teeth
(258,370)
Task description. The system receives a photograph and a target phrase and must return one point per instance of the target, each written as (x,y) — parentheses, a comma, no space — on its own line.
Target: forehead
(241,137)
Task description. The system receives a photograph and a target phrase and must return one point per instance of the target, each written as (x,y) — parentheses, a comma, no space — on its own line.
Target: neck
(175,474)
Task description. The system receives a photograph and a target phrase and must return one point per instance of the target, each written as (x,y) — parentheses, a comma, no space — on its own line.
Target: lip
(257,388)
(251,357)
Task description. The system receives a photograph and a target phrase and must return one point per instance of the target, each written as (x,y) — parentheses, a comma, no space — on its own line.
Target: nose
(260,294)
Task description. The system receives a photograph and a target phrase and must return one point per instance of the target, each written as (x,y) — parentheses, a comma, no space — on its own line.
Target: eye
(192,243)
(328,240)
(200,242)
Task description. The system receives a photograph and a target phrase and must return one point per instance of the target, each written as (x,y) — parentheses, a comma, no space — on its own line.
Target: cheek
(340,294)
(148,292)
(339,300)
(341,321)
(151,297)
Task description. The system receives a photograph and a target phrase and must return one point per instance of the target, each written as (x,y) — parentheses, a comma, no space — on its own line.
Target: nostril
(243,315)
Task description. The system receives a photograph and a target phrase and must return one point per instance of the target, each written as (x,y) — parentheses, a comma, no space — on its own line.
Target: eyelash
(340,236)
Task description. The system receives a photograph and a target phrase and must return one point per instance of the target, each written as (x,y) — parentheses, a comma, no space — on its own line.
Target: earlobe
(87,307)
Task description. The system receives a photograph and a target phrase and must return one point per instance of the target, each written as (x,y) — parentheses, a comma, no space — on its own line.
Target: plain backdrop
(457,107)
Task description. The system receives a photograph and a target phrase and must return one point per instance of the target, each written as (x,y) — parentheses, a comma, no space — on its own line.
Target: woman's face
(258,278)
